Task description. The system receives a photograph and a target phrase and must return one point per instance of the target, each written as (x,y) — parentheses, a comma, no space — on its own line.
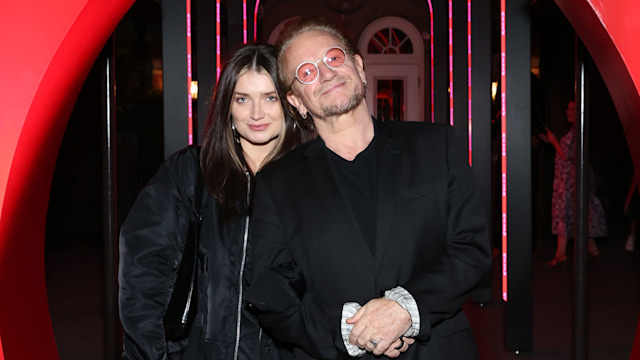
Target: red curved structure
(46,51)
(47,48)
(608,29)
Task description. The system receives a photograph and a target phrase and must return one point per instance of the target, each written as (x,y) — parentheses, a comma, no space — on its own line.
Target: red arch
(47,49)
(609,29)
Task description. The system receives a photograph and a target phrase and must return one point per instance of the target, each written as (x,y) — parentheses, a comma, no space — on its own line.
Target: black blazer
(309,256)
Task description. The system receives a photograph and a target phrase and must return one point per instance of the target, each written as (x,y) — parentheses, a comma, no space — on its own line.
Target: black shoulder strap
(199,189)
(183,304)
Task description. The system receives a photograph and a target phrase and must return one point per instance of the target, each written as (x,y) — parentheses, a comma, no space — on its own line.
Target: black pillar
(518,332)
(234,25)
(109,200)
(481,117)
(206,59)
(174,75)
(580,324)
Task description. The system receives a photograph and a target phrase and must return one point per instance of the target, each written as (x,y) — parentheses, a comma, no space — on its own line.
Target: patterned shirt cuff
(348,310)
(406,300)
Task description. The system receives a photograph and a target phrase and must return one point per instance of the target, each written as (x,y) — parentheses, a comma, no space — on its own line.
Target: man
(366,240)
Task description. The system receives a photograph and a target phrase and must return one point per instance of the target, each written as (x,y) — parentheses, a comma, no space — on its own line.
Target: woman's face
(571,112)
(256,112)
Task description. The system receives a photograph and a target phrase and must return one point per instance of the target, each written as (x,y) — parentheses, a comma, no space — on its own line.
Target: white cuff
(348,310)
(406,300)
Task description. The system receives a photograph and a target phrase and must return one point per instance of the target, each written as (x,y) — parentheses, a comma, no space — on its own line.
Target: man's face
(336,90)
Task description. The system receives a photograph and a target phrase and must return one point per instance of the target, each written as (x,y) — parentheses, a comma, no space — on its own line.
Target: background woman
(564,194)
(247,127)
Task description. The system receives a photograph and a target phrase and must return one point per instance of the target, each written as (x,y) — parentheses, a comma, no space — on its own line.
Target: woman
(246,128)
(564,194)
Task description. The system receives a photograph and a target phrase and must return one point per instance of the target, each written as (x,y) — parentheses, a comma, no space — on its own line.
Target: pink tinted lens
(307,72)
(334,58)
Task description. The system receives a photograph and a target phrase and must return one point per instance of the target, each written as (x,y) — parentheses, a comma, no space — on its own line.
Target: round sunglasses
(308,71)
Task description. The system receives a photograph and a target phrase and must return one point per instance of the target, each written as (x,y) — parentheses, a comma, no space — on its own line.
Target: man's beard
(351,103)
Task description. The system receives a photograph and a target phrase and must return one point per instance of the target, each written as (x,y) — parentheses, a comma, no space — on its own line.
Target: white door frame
(407,67)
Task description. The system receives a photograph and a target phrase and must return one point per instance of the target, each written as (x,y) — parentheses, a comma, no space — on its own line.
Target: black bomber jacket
(151,242)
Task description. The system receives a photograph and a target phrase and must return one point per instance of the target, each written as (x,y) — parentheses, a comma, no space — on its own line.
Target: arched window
(390,41)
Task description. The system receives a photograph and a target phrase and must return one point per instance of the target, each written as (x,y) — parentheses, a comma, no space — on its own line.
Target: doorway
(393,52)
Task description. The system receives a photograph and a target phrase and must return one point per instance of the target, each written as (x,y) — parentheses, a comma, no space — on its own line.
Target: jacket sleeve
(151,242)
(278,295)
(442,287)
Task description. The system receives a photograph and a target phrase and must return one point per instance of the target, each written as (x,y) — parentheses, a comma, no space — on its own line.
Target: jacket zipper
(242,265)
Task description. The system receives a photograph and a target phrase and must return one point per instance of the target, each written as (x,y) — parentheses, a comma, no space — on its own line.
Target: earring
(236,135)
(365,83)
(304,116)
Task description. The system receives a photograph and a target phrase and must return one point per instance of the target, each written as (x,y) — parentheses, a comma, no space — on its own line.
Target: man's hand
(399,346)
(378,324)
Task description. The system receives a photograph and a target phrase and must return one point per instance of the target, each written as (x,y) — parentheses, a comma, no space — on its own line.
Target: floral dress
(564,195)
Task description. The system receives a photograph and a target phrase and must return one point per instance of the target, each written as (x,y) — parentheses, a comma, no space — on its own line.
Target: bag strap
(193,238)
(183,304)
(195,222)
(199,190)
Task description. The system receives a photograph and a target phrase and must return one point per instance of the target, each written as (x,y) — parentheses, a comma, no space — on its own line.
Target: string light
(503,137)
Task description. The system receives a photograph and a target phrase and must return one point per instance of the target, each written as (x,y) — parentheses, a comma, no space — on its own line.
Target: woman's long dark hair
(223,165)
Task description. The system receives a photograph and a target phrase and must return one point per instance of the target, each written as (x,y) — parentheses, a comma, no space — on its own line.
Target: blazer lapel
(389,167)
(324,186)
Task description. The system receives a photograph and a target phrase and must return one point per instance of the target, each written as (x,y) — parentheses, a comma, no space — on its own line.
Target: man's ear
(360,67)
(295,101)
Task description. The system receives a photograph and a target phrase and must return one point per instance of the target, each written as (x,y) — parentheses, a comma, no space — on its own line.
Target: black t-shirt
(358,183)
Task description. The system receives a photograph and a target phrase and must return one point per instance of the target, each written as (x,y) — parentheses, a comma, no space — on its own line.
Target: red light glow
(503,132)
(431,41)
(189,74)
(255,21)
(451,62)
(46,64)
(217,40)
(244,21)
(469,116)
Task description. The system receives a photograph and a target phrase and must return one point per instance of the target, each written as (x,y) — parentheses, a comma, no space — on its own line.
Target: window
(390,41)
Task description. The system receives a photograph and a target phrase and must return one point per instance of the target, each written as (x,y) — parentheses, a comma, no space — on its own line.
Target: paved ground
(613,308)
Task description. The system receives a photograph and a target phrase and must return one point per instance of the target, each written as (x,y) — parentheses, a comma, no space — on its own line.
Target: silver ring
(374,342)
